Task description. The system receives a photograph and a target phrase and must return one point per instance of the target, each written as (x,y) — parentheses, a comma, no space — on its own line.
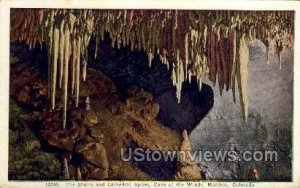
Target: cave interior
(85,84)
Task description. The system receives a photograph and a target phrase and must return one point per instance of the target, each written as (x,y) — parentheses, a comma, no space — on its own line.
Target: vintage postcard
(149,94)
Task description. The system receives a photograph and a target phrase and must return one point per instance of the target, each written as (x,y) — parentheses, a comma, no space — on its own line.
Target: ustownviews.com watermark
(140,154)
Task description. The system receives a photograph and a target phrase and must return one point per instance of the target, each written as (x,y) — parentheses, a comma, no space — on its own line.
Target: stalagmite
(84,62)
(66,169)
(66,157)
(187,169)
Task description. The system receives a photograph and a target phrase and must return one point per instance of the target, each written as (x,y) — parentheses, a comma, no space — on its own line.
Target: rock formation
(187,169)
(191,43)
(94,138)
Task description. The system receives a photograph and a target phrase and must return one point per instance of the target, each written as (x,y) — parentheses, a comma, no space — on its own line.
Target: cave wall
(269,126)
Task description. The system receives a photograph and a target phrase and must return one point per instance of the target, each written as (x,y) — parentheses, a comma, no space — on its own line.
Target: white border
(5,6)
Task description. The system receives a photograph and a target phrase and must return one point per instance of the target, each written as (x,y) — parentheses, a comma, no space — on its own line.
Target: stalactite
(150,58)
(85,42)
(242,74)
(66,74)
(50,42)
(54,72)
(190,43)
(73,60)
(279,49)
(77,73)
(186,52)
(96,47)
(233,69)
(61,51)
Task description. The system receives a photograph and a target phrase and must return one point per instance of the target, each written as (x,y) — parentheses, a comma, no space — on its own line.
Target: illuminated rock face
(269,123)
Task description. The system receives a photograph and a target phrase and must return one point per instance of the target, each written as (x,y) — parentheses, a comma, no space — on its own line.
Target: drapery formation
(196,43)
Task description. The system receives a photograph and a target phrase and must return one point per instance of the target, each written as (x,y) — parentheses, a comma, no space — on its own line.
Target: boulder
(94,153)
(59,139)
